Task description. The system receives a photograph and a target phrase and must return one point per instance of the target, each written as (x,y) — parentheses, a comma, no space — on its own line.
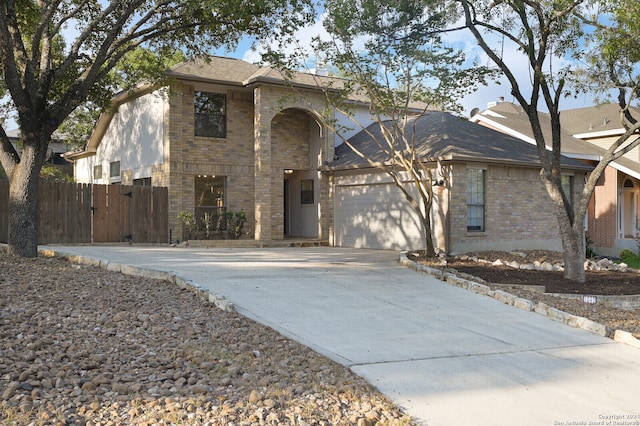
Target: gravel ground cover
(80,345)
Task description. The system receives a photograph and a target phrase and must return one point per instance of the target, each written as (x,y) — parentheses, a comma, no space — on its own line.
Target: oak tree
(546,32)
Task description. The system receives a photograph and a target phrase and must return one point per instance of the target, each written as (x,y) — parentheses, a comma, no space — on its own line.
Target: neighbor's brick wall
(518,209)
(602,227)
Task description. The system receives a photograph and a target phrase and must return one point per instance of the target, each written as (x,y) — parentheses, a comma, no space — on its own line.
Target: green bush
(630,258)
(627,254)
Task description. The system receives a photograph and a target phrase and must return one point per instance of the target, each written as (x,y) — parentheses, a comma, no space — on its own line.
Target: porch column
(262,169)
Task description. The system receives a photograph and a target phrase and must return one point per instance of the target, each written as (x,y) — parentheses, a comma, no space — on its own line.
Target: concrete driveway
(446,355)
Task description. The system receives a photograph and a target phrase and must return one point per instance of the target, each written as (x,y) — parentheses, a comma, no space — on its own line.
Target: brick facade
(602,222)
(517,209)
(268,131)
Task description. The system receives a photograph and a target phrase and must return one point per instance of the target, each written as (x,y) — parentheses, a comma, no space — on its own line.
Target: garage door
(375,216)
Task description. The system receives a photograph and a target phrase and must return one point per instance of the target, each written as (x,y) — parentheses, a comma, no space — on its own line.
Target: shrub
(627,254)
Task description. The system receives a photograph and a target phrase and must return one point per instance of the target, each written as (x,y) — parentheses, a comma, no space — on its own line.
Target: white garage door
(375,216)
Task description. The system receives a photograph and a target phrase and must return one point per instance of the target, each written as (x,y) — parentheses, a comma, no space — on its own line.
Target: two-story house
(227,135)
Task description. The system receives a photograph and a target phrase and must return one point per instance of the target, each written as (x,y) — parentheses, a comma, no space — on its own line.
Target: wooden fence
(81,213)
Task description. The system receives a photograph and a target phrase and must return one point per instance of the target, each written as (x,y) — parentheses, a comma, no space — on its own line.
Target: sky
(461,39)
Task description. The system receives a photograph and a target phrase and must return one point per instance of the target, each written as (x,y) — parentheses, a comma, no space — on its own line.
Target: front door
(628,210)
(629,214)
(286,207)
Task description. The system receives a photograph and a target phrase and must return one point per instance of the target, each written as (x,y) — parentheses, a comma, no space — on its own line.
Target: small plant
(241,218)
(630,258)
(207,221)
(189,221)
(627,254)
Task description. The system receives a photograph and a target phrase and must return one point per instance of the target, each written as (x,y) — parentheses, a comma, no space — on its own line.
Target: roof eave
(460,158)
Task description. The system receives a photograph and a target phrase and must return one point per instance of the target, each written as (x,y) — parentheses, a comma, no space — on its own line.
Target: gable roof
(443,136)
(511,119)
(594,121)
(237,72)
(217,70)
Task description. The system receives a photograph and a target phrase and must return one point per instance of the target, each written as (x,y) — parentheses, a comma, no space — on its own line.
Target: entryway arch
(297,141)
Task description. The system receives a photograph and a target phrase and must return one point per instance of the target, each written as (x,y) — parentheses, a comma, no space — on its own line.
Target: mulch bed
(597,283)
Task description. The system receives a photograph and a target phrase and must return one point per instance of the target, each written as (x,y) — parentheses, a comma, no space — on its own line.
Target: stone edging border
(205,295)
(521,303)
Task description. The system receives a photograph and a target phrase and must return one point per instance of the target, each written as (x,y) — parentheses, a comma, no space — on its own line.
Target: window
(475,199)
(567,187)
(209,200)
(210,114)
(97,172)
(142,181)
(306,191)
(114,169)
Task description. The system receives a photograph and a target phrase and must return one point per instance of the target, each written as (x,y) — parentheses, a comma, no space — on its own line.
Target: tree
(58,54)
(543,31)
(391,57)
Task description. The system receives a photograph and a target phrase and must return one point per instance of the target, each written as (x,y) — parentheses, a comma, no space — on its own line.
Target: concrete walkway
(446,355)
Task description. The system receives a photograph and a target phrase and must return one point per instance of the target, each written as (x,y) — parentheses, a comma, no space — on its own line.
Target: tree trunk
(430,249)
(23,203)
(428,232)
(573,245)
(571,230)
(23,219)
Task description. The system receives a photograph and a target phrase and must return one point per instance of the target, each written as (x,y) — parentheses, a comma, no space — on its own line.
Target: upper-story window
(114,169)
(97,172)
(210,114)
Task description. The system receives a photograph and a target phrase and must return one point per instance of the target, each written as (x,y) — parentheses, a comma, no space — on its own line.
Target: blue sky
(461,39)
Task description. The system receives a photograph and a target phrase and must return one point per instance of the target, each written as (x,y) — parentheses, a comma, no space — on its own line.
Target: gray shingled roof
(599,118)
(231,71)
(513,117)
(576,121)
(443,136)
(217,69)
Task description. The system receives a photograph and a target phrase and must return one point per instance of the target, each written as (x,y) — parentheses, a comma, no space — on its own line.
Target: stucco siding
(134,138)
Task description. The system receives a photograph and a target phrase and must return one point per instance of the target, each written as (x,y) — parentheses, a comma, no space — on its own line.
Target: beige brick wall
(285,122)
(187,156)
(518,210)
(253,156)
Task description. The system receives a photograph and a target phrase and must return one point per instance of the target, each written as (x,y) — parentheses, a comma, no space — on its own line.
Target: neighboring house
(57,148)
(612,221)
(227,135)
(492,196)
